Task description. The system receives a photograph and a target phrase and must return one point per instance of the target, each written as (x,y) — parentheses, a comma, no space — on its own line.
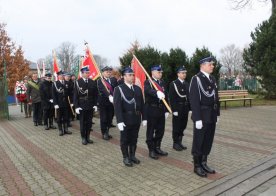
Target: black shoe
(61,133)
(134,160)
(67,132)
(199,171)
(46,127)
(153,155)
(127,162)
(40,124)
(35,124)
(160,152)
(110,136)
(106,137)
(93,123)
(89,141)
(83,141)
(182,146)
(52,127)
(177,147)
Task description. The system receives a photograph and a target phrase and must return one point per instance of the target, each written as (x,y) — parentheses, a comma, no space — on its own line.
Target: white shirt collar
(181,80)
(206,74)
(85,79)
(129,85)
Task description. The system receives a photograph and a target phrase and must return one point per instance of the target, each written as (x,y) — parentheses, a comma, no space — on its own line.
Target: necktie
(131,87)
(86,81)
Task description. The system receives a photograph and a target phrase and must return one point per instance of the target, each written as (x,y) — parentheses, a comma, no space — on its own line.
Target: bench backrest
(233,93)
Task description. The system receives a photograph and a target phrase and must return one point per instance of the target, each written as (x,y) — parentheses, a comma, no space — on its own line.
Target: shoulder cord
(175,87)
(206,93)
(132,101)
(80,89)
(59,90)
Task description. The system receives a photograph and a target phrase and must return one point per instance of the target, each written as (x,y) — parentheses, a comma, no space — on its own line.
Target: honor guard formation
(67,98)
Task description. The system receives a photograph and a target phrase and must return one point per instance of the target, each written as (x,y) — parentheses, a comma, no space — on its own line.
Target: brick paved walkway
(38,162)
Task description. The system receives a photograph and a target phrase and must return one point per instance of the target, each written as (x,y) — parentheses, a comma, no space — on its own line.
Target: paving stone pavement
(38,162)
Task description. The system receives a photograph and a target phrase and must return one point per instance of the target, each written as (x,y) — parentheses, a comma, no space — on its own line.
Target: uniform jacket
(177,102)
(151,99)
(103,93)
(129,113)
(85,94)
(203,107)
(61,94)
(46,93)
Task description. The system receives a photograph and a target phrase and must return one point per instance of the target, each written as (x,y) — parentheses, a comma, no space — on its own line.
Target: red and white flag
(91,63)
(55,65)
(139,74)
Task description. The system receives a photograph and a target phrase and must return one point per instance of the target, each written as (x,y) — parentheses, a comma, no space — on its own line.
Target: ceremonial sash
(110,88)
(158,86)
(34,85)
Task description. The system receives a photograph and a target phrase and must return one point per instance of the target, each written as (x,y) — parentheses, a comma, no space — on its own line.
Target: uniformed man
(46,93)
(179,101)
(60,99)
(85,101)
(106,87)
(129,110)
(205,111)
(33,97)
(156,112)
(70,84)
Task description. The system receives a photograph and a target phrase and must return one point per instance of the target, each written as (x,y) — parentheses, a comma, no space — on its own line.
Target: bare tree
(66,55)
(231,59)
(240,4)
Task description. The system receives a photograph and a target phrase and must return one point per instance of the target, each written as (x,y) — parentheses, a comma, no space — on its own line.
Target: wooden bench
(234,95)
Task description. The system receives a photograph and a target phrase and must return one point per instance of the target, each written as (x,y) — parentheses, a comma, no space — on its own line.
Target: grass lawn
(258,100)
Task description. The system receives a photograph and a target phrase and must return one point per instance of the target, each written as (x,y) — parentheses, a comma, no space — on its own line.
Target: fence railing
(251,84)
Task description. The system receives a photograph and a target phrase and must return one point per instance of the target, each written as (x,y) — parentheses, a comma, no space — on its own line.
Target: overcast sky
(109,26)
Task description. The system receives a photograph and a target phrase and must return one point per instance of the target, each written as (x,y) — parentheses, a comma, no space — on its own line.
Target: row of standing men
(133,107)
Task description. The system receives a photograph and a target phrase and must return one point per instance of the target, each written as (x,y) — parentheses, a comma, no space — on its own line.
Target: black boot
(60,130)
(132,150)
(109,136)
(197,167)
(35,124)
(83,141)
(66,129)
(176,146)
(51,124)
(126,159)
(158,149)
(46,125)
(180,143)
(205,167)
(88,138)
(105,135)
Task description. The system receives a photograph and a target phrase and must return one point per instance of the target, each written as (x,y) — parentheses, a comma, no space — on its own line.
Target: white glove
(144,123)
(121,126)
(51,100)
(198,124)
(56,106)
(190,112)
(110,98)
(95,108)
(71,105)
(175,113)
(166,115)
(160,95)
(78,110)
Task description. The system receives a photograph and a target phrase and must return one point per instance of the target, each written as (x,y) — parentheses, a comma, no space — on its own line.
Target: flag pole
(97,68)
(153,84)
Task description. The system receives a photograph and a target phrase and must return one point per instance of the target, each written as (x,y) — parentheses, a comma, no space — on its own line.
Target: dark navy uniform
(156,117)
(105,106)
(70,86)
(179,101)
(204,102)
(60,97)
(85,97)
(46,94)
(130,110)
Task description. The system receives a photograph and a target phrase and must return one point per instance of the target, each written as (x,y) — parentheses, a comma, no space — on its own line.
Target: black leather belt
(133,112)
(156,105)
(215,106)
